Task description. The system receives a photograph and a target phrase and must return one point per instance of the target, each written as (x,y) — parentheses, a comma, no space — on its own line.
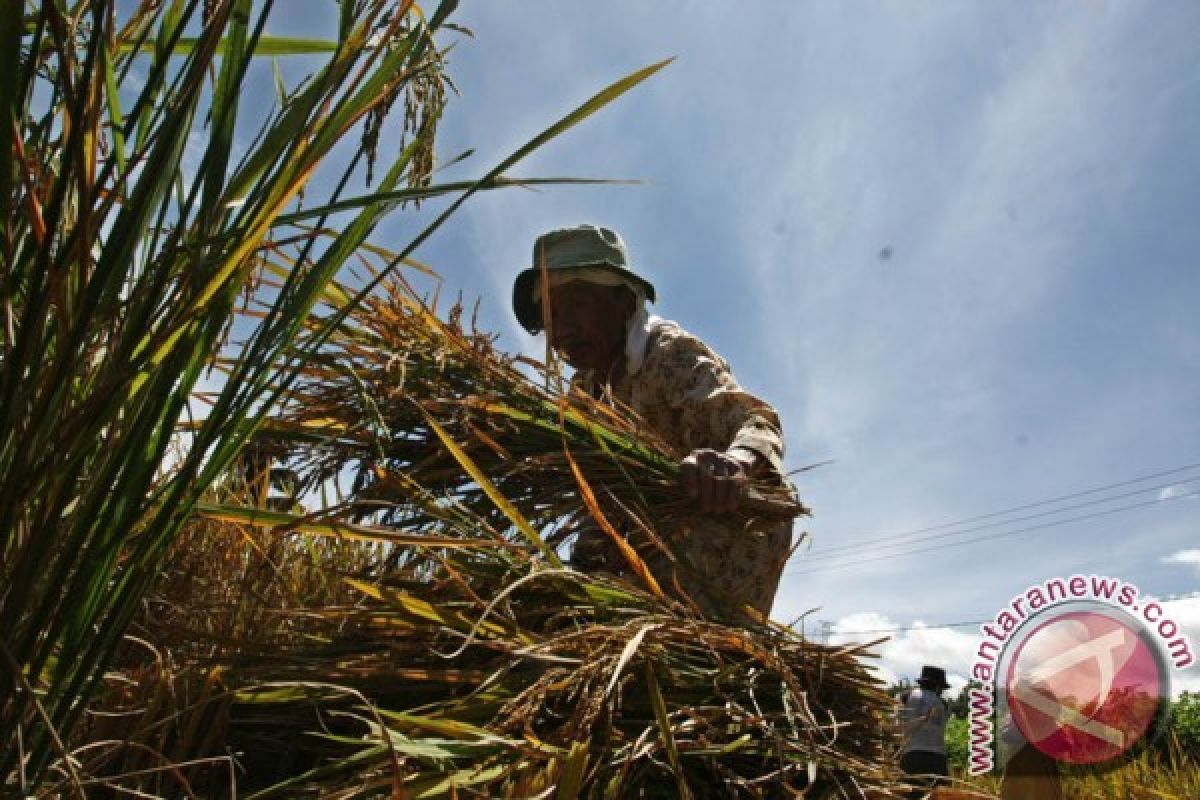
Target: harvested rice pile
(421,636)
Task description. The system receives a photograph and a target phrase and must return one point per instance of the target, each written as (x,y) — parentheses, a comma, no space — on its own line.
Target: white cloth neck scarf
(637,336)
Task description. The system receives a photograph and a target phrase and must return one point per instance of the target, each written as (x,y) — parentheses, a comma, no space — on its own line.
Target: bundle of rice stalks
(445,649)
(454,674)
(147,190)
(439,432)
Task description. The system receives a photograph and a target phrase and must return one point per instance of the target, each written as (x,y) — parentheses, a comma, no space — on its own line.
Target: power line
(946,625)
(1023,507)
(839,552)
(1001,534)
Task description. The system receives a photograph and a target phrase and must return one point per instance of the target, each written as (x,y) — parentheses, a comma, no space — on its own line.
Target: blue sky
(955,245)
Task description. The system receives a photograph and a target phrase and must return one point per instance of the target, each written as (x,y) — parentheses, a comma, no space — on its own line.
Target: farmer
(923,717)
(1029,774)
(684,391)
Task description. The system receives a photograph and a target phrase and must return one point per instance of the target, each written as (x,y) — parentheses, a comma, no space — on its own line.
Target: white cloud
(1186,683)
(911,647)
(915,644)
(1184,557)
(1186,613)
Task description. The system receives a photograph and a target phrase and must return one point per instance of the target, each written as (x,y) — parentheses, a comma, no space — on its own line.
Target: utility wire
(842,550)
(946,625)
(1024,507)
(1001,534)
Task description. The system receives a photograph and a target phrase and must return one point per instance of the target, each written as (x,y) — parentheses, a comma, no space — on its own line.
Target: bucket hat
(576,249)
(935,676)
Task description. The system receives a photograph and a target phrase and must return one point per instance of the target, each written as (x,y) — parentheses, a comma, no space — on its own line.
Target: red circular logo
(1085,686)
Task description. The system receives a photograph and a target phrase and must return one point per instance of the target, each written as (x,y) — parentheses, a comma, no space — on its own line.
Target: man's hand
(717,480)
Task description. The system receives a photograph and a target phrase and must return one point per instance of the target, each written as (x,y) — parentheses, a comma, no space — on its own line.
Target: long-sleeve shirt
(688,396)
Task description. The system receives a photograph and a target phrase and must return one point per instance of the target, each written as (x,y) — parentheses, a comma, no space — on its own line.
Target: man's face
(587,323)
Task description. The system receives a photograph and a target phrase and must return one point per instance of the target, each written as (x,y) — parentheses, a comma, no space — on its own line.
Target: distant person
(923,716)
(686,393)
(1029,774)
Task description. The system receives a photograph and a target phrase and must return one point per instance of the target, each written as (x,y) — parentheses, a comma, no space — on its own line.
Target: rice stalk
(140,204)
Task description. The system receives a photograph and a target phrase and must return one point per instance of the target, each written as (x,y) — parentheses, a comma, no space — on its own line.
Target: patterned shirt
(688,396)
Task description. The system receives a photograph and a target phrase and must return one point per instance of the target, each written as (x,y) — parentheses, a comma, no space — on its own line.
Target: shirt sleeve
(714,411)
(913,714)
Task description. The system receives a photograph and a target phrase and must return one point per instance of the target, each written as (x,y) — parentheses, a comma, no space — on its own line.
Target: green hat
(579,248)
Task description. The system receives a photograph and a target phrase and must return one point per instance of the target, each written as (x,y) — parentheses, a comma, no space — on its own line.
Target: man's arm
(913,714)
(733,436)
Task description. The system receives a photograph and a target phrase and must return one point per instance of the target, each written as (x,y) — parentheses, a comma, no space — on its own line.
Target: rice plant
(140,203)
(1165,771)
